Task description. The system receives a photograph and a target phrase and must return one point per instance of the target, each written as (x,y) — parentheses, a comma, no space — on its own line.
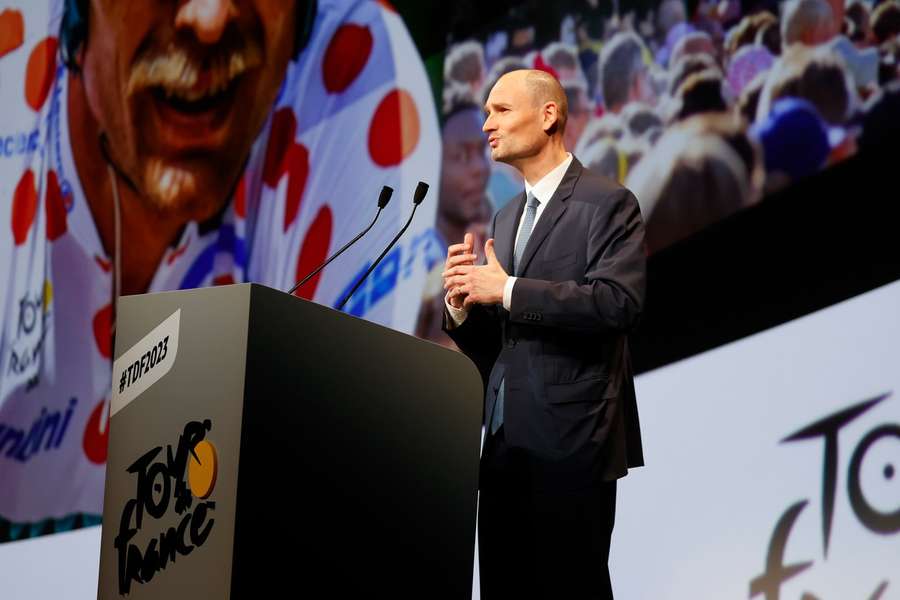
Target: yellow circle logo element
(203,465)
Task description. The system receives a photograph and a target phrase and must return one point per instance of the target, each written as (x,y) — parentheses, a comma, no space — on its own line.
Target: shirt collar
(544,189)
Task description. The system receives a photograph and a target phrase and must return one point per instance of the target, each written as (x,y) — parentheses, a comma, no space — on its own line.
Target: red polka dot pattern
(103,331)
(281,137)
(39,72)
(24,207)
(56,209)
(12,31)
(346,56)
(394,131)
(95,442)
(285,156)
(314,251)
(240,199)
(298,173)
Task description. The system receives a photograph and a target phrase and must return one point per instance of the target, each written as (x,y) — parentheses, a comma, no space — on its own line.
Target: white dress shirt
(542,191)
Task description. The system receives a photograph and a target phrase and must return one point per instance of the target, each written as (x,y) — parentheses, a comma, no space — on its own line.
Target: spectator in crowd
(861,63)
(807,22)
(563,58)
(463,205)
(687,66)
(746,64)
(607,126)
(889,61)
(639,119)
(744,33)
(603,157)
(795,142)
(770,36)
(703,16)
(631,150)
(698,180)
(700,93)
(858,25)
(664,53)
(838,15)
(624,76)
(748,102)
(814,74)
(881,118)
(732,129)
(464,65)
(464,171)
(580,111)
(696,42)
(669,14)
(520,35)
(886,21)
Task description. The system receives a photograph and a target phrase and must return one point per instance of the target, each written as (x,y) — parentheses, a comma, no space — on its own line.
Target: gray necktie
(524,234)
(527,225)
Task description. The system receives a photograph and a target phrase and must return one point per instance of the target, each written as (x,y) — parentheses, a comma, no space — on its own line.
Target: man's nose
(488,125)
(206,18)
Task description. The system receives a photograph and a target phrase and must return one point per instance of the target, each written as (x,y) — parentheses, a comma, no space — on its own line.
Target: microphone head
(385,196)
(421,190)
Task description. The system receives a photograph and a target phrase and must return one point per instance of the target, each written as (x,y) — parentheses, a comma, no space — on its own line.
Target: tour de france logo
(160,486)
(877,520)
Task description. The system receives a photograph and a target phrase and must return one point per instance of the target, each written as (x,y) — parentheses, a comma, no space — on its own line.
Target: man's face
(464,169)
(515,122)
(181,90)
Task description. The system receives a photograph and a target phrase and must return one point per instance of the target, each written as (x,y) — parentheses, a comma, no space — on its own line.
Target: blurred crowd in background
(699,107)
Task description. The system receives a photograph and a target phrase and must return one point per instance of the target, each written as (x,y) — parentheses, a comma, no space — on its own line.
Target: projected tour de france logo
(877,517)
(161,488)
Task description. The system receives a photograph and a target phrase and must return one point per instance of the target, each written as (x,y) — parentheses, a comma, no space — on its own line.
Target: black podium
(264,446)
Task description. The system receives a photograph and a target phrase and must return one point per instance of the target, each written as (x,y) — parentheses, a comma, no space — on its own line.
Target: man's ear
(550,114)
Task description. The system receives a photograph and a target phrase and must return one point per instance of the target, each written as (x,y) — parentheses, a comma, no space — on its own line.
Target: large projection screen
(739,498)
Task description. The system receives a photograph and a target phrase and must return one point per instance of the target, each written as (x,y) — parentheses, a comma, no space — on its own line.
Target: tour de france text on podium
(145,363)
(160,486)
(149,360)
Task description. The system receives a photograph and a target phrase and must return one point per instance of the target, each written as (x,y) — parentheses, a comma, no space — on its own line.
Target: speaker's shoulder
(595,188)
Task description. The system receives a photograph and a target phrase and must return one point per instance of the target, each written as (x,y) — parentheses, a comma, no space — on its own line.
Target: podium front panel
(157,534)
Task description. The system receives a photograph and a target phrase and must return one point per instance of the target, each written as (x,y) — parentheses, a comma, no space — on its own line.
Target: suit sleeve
(479,338)
(611,297)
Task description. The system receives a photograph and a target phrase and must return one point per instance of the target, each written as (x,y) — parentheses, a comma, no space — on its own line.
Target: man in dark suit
(551,343)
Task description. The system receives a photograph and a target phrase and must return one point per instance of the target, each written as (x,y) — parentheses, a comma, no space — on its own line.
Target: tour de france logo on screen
(181,480)
(869,508)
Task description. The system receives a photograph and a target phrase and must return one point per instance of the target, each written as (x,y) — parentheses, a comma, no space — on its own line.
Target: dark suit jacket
(562,347)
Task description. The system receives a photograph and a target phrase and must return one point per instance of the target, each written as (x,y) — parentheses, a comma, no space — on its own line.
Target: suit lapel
(555,209)
(505,234)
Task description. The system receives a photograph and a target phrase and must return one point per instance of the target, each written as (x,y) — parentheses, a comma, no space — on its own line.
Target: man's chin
(178,192)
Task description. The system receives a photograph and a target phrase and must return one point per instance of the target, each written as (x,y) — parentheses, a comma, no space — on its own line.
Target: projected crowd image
(699,107)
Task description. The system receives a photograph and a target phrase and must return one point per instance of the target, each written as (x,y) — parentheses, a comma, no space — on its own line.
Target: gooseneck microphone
(383,200)
(418,196)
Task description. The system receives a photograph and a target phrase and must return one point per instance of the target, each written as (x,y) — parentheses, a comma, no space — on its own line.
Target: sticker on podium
(145,363)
